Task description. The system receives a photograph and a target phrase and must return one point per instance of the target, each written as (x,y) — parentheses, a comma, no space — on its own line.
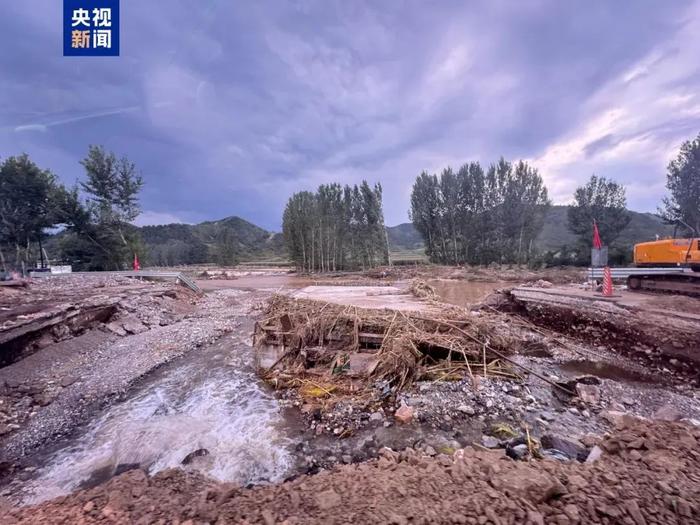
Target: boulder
(589,394)
(518,451)
(594,455)
(568,448)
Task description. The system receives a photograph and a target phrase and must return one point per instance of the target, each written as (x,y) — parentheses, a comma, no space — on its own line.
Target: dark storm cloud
(229,107)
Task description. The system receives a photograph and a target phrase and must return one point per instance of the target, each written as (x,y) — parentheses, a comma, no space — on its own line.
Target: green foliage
(603,201)
(29,201)
(336,228)
(103,237)
(683,183)
(477,216)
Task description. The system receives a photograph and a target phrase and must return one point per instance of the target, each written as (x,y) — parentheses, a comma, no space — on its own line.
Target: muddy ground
(644,473)
(614,369)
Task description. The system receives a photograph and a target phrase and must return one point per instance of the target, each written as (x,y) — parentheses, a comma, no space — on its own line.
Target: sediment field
(450,395)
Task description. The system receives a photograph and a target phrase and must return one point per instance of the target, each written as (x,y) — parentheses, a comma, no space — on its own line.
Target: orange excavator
(681,255)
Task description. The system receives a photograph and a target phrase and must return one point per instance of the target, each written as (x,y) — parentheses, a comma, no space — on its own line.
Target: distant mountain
(404,237)
(225,241)
(233,239)
(554,234)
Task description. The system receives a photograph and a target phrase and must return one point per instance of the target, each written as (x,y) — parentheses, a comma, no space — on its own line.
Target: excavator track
(673,283)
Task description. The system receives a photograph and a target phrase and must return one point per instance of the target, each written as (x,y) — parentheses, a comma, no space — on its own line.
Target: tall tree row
(480,216)
(336,228)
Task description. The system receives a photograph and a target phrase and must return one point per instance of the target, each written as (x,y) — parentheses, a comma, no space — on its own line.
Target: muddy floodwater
(457,292)
(256,282)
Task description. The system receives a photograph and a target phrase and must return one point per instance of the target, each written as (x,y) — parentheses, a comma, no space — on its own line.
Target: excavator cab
(668,253)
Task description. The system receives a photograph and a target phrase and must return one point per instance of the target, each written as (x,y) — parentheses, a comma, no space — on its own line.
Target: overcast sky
(228,107)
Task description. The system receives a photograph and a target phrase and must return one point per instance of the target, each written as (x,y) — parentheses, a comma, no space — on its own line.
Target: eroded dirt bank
(646,473)
(68,376)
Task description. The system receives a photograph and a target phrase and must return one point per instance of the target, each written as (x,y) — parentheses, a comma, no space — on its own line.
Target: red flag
(137,266)
(596,237)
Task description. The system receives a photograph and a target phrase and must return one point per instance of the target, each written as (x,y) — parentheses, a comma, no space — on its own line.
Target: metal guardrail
(624,273)
(180,277)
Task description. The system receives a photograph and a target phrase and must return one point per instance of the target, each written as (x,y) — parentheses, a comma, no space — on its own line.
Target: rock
(557,455)
(189,458)
(668,413)
(376,416)
(620,420)
(610,478)
(589,394)
(430,451)
(116,329)
(404,414)
(548,416)
(537,487)
(89,506)
(67,381)
(518,451)
(594,455)
(576,482)
(490,442)
(569,448)
(572,512)
(134,326)
(464,409)
(328,499)
(633,510)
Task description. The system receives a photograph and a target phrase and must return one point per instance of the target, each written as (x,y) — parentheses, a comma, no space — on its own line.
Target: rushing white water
(211,401)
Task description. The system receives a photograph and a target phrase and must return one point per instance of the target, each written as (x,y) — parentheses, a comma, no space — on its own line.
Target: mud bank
(645,473)
(660,330)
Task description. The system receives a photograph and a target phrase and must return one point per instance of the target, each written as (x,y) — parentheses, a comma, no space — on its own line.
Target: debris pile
(422,289)
(323,348)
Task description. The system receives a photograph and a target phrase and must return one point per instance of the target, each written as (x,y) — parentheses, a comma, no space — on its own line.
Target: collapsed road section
(72,344)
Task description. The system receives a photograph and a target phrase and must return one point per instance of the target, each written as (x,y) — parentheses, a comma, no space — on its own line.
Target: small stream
(208,405)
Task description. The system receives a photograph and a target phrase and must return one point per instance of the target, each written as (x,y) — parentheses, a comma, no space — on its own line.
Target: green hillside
(225,241)
(554,234)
